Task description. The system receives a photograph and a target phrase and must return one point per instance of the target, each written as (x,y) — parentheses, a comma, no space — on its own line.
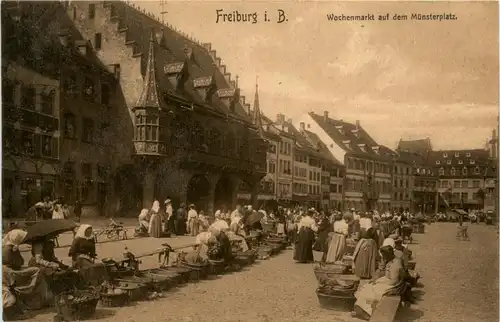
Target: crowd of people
(53,209)
(379,254)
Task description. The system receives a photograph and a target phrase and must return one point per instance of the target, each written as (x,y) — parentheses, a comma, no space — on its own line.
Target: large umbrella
(48,228)
(253,218)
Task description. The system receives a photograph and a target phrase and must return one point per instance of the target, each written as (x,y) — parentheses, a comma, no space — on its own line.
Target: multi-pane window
(88,130)
(28,97)
(47,102)
(70,84)
(147,128)
(8,93)
(69,126)
(28,143)
(89,89)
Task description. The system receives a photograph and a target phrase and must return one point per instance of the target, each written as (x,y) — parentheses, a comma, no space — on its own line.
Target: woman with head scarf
(220,223)
(144,220)
(236,236)
(305,239)
(222,247)
(192,222)
(24,288)
(57,212)
(336,241)
(365,255)
(155,226)
(391,283)
(83,254)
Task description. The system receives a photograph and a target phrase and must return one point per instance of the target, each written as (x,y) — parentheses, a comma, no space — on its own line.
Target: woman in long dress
(192,222)
(337,241)
(391,283)
(305,240)
(365,255)
(22,288)
(155,226)
(235,234)
(57,213)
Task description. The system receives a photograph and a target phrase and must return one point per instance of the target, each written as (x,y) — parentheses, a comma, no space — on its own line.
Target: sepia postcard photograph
(241,161)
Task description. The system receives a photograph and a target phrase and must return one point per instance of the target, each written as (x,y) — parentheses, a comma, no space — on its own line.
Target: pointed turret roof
(256,111)
(149,95)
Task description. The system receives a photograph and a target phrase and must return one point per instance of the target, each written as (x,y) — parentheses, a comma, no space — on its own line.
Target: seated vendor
(43,256)
(222,248)
(24,288)
(83,254)
(390,283)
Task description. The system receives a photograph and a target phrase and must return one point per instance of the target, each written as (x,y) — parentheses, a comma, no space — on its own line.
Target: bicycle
(112,231)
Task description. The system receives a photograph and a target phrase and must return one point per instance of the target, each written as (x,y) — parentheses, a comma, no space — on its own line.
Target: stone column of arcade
(148,188)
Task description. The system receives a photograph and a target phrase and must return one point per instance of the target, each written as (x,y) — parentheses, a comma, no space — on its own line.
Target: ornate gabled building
(367,184)
(420,146)
(193,140)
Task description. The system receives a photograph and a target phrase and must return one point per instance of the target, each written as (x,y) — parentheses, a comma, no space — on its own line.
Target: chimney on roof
(302,126)
(290,121)
(325,114)
(357,125)
(280,118)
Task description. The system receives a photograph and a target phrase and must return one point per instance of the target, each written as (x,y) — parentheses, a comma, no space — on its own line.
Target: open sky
(401,79)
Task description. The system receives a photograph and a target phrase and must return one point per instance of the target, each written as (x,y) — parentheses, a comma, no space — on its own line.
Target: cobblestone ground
(460,284)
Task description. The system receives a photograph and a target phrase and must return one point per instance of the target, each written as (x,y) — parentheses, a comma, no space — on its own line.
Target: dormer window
(340,129)
(441,171)
(445,155)
(355,132)
(347,144)
(438,162)
(448,162)
(460,162)
(362,147)
(467,154)
(376,149)
(457,154)
(472,161)
(453,171)
(476,170)
(464,171)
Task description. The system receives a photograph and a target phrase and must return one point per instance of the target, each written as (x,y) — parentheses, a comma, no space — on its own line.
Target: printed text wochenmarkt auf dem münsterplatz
(373,17)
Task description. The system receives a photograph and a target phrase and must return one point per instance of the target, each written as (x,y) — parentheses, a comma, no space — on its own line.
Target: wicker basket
(77,308)
(135,291)
(217,267)
(204,268)
(411,265)
(195,273)
(115,300)
(183,272)
(325,272)
(264,252)
(246,258)
(347,260)
(343,301)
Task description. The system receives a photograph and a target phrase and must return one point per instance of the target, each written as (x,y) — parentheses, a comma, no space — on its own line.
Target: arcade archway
(198,190)
(128,190)
(223,195)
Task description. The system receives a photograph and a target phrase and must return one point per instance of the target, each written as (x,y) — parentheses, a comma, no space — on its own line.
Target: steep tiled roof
(176,48)
(421,146)
(411,158)
(353,139)
(149,95)
(458,158)
(323,150)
